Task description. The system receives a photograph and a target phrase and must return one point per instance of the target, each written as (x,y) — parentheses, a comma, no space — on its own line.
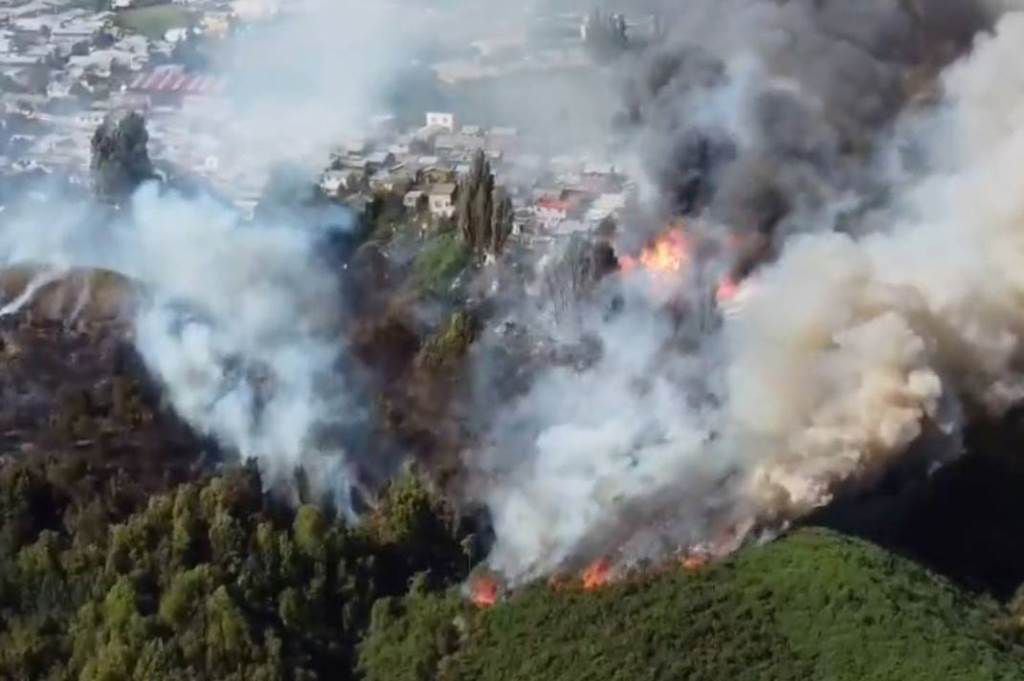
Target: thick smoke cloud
(854,347)
(766,112)
(240,322)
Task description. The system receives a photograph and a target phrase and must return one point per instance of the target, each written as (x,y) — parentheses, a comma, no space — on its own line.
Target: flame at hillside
(484,592)
(597,575)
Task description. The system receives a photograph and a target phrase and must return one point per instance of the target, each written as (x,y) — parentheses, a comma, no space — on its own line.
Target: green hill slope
(815,605)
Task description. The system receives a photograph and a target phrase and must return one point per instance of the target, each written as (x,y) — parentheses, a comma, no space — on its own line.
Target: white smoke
(240,322)
(309,79)
(843,354)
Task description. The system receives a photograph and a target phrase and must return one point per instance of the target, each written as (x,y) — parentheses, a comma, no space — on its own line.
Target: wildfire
(484,592)
(597,575)
(670,253)
(727,290)
(694,562)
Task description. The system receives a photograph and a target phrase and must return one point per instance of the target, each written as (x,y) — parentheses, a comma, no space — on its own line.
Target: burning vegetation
(570,407)
(669,254)
(484,591)
(597,575)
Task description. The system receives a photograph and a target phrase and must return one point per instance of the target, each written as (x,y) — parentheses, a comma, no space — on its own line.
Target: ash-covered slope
(72,387)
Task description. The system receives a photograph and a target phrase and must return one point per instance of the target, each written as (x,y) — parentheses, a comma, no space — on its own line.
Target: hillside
(815,605)
(213,579)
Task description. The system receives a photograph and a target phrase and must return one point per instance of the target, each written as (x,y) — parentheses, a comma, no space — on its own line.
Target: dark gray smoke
(764,112)
(887,316)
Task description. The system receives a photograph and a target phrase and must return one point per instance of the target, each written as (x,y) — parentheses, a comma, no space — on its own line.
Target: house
(551,211)
(379,159)
(333,181)
(605,206)
(391,181)
(441,120)
(442,200)
(412,199)
(432,174)
(458,142)
(353,162)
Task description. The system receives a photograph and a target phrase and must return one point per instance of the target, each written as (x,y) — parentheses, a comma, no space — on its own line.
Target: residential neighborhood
(65,67)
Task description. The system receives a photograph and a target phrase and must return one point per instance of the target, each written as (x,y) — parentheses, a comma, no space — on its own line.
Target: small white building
(334,180)
(605,206)
(412,199)
(436,119)
(442,200)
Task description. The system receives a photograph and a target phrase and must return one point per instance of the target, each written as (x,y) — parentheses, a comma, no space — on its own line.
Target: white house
(437,119)
(442,200)
(412,199)
(333,180)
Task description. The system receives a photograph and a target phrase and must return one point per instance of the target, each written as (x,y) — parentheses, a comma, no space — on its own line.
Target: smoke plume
(868,336)
(241,323)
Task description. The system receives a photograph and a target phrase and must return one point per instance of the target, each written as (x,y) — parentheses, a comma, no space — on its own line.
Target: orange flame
(484,592)
(597,575)
(694,562)
(727,290)
(670,253)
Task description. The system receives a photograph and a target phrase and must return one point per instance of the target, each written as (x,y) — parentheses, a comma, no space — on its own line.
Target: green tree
(120,156)
(483,211)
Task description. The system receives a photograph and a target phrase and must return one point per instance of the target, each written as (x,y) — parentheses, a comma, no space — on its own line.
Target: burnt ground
(965,520)
(76,394)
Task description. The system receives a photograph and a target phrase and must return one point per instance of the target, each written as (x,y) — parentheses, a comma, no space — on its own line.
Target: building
(397,181)
(606,206)
(412,199)
(379,159)
(453,142)
(552,211)
(441,120)
(334,180)
(442,200)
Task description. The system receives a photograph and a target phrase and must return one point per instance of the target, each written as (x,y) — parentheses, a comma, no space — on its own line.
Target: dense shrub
(440,261)
(209,581)
(815,605)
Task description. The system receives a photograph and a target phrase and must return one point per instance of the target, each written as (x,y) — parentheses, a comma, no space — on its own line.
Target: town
(66,67)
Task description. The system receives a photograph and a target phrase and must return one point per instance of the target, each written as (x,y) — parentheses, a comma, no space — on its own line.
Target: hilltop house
(441,120)
(442,199)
